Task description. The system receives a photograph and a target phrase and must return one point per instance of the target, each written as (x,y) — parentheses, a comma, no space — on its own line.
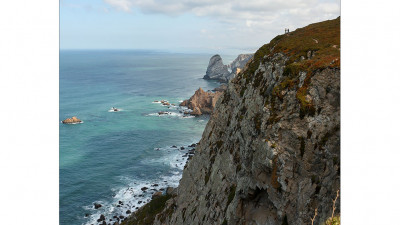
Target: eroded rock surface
(270,153)
(202,102)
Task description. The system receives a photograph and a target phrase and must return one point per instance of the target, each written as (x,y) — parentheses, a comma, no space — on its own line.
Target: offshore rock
(216,70)
(202,102)
(72,120)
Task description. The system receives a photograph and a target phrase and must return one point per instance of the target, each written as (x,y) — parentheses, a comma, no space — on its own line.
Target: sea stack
(202,102)
(216,69)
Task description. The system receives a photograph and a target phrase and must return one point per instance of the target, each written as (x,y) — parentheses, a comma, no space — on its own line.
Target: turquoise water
(111,155)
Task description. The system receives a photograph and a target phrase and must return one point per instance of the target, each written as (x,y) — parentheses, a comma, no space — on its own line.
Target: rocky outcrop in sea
(270,153)
(72,120)
(202,102)
(216,69)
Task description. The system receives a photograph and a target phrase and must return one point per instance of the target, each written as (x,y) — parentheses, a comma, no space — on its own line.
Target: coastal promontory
(270,153)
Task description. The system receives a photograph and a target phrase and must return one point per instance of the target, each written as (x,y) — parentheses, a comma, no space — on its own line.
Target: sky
(208,26)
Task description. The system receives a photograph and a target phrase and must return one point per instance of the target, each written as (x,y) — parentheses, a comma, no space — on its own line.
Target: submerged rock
(97,205)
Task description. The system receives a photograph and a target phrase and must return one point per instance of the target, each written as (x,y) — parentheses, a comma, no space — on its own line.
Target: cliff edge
(270,153)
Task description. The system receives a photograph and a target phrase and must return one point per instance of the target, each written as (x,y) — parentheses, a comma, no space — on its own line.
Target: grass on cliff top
(322,38)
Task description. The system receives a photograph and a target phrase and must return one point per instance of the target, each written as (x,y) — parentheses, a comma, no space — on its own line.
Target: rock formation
(216,70)
(202,102)
(270,153)
(72,120)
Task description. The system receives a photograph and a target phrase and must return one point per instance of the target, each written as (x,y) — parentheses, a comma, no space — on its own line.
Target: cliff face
(202,102)
(270,153)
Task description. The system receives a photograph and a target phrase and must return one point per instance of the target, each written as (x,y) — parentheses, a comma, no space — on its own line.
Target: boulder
(144,188)
(72,120)
(102,218)
(97,205)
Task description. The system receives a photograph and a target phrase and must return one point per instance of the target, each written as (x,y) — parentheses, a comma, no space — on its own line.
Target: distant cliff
(216,69)
(270,153)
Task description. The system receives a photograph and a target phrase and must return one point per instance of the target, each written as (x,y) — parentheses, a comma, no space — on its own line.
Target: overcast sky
(209,26)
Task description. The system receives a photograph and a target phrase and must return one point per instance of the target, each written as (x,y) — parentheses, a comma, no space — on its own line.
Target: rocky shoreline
(156,190)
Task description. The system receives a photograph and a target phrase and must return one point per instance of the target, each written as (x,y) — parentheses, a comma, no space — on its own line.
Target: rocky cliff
(270,153)
(202,102)
(216,70)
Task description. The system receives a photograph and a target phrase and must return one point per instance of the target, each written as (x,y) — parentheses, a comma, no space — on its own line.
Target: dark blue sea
(111,155)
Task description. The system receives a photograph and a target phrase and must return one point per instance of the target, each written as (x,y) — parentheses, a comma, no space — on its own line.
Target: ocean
(111,156)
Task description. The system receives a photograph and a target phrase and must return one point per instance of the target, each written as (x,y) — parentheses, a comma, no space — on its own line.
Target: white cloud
(254,22)
(124,5)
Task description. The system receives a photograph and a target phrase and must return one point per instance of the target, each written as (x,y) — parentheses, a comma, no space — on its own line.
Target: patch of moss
(225,222)
(333,221)
(231,195)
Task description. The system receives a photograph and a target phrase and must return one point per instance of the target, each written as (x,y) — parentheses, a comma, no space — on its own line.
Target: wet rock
(139,202)
(154,185)
(144,188)
(128,212)
(174,146)
(101,218)
(121,216)
(120,202)
(192,145)
(97,205)
(182,148)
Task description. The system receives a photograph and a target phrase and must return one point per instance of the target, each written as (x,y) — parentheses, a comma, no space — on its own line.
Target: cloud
(252,21)
(231,10)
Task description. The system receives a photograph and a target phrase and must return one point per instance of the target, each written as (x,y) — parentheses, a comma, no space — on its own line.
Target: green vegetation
(231,195)
(309,49)
(333,221)
(147,214)
(225,222)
